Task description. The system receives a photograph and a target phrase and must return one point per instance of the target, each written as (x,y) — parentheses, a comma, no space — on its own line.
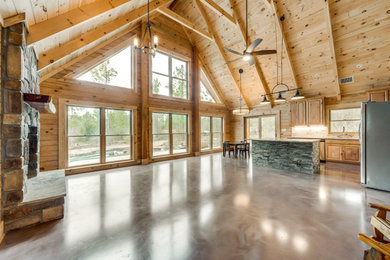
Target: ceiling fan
(248,53)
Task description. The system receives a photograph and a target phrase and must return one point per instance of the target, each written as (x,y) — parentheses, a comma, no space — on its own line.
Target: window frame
(204,79)
(247,128)
(97,61)
(170,133)
(211,133)
(102,134)
(347,120)
(171,56)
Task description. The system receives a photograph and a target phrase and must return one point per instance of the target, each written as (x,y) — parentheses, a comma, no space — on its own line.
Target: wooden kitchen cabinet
(378,95)
(307,112)
(343,150)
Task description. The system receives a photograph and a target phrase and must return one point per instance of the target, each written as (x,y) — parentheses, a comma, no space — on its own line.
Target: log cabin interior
(195,129)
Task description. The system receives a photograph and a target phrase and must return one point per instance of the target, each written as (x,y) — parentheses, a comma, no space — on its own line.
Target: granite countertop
(302,140)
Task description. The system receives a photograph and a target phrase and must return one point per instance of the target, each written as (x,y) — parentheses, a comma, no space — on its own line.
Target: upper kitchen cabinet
(378,95)
(307,112)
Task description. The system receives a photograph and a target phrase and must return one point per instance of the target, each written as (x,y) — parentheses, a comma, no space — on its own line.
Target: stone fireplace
(24,198)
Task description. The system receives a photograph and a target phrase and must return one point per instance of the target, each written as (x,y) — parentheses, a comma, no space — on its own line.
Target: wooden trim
(335,107)
(332,50)
(100,167)
(217,9)
(219,44)
(184,22)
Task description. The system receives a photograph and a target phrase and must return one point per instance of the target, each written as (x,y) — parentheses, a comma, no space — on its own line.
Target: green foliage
(205,94)
(179,88)
(117,122)
(103,73)
(83,121)
(156,86)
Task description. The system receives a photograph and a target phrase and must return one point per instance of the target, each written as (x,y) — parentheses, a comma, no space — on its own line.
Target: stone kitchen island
(298,155)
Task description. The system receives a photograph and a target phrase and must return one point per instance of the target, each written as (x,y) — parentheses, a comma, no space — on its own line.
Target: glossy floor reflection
(206,207)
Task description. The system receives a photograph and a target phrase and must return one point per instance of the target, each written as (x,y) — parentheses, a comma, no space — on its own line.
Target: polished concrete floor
(206,207)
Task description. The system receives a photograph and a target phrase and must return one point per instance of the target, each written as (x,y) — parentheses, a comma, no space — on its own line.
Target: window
(211,132)
(263,127)
(116,71)
(207,92)
(170,133)
(91,142)
(169,76)
(345,120)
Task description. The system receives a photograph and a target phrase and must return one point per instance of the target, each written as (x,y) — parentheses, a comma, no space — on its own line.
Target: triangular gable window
(115,71)
(207,92)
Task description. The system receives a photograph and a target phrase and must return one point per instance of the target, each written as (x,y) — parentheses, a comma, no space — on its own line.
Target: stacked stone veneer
(20,133)
(287,155)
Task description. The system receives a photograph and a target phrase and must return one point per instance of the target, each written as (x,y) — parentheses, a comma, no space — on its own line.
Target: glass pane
(160,63)
(253,124)
(344,126)
(179,123)
(179,143)
(268,130)
(179,88)
(117,122)
(205,141)
(83,121)
(217,124)
(160,84)
(345,114)
(160,145)
(205,124)
(160,122)
(115,71)
(217,140)
(83,150)
(179,69)
(205,94)
(118,148)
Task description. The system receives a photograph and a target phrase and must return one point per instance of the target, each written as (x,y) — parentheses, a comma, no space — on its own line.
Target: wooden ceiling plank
(332,50)
(219,44)
(181,20)
(259,71)
(286,47)
(55,54)
(71,18)
(216,8)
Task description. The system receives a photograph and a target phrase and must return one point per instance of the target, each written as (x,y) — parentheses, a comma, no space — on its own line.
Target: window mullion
(170,75)
(102,135)
(170,135)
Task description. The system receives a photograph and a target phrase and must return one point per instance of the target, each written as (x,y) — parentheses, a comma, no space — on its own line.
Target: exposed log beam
(181,20)
(216,8)
(12,20)
(286,48)
(219,44)
(332,50)
(69,19)
(259,71)
(105,30)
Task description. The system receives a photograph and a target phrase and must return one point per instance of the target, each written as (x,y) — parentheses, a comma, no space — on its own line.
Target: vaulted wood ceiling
(325,40)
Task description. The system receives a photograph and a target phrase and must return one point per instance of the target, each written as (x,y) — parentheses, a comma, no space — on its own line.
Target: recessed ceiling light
(317,75)
(359,65)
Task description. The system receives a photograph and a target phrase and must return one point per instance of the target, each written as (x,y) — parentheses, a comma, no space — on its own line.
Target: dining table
(236,146)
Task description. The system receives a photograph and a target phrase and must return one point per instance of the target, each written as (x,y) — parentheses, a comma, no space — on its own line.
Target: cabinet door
(334,152)
(301,113)
(314,112)
(351,153)
(378,96)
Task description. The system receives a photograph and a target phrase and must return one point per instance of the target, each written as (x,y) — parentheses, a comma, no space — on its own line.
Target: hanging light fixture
(283,88)
(265,101)
(297,95)
(241,110)
(149,47)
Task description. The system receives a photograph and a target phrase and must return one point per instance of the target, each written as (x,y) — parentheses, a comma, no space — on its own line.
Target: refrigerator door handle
(362,137)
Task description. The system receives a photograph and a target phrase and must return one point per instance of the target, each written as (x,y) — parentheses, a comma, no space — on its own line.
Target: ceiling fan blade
(264,52)
(254,45)
(251,60)
(233,60)
(233,51)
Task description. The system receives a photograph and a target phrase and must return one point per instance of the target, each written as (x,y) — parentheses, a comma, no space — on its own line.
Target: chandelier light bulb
(246,57)
(155,40)
(136,42)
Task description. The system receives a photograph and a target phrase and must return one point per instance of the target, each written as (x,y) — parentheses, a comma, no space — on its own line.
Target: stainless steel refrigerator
(375,145)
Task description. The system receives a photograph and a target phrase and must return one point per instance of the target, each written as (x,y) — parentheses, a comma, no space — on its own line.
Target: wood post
(196,102)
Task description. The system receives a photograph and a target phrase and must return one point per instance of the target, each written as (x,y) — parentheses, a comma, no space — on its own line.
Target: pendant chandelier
(147,46)
(280,84)
(241,110)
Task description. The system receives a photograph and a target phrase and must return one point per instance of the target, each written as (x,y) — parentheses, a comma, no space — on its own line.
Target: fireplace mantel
(42,103)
